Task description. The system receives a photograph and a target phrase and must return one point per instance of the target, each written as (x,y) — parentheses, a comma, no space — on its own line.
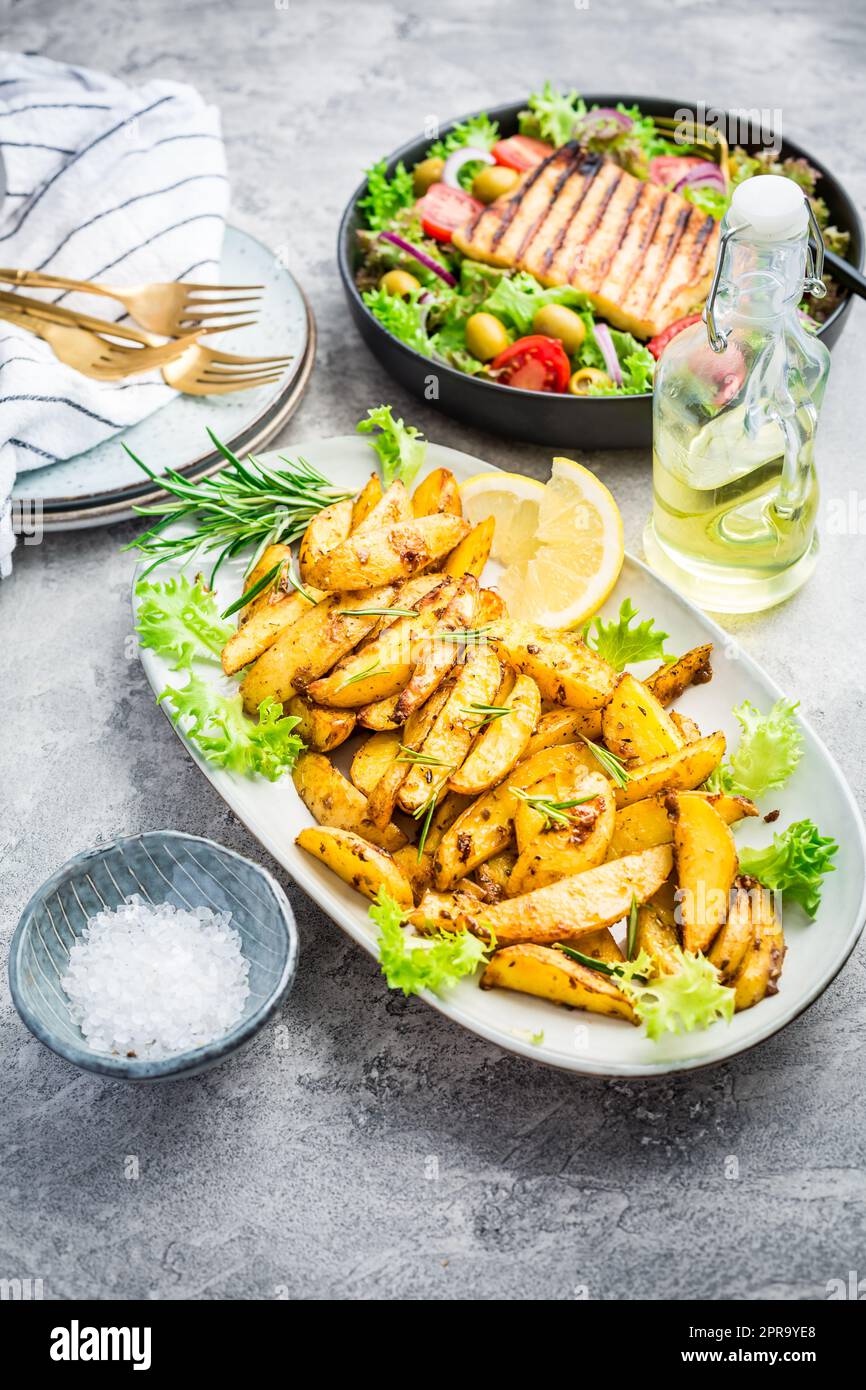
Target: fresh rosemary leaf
(602,966)
(427,812)
(464,634)
(362,675)
(487,714)
(614,767)
(631,934)
(248,595)
(419,758)
(550,809)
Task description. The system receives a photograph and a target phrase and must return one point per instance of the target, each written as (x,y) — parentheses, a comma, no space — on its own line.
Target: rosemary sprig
(631,933)
(427,812)
(603,967)
(377,612)
(245,504)
(613,766)
(362,675)
(464,634)
(419,758)
(550,809)
(488,713)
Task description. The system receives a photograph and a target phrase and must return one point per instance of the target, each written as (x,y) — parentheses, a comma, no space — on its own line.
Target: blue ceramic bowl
(160,866)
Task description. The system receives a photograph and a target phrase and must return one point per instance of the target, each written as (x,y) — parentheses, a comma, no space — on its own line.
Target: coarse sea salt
(151,980)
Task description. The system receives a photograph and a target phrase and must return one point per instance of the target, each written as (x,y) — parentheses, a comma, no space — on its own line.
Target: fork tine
(218,377)
(211,389)
(233,360)
(214,314)
(188,285)
(223,328)
(197,299)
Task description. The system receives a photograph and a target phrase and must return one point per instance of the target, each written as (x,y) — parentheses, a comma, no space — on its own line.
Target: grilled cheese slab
(643,255)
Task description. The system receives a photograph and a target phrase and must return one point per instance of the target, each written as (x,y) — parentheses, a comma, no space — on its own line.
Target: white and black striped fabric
(104,182)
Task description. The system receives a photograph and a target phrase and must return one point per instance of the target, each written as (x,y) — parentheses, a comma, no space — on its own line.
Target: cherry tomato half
(520,152)
(443,209)
(658,344)
(534,363)
(668,169)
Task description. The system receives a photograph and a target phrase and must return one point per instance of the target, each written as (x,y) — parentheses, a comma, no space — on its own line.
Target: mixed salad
(504,325)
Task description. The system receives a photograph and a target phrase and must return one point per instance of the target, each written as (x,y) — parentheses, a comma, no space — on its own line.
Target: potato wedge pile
(507,781)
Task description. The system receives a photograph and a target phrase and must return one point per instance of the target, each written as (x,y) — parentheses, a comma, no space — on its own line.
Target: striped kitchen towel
(104,182)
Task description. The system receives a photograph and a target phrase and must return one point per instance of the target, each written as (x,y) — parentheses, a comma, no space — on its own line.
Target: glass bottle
(735,410)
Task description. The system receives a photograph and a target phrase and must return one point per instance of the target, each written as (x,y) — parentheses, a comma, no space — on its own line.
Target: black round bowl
(617,422)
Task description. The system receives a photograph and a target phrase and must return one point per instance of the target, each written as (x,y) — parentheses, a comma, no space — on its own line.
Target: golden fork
(186,365)
(93,355)
(174,309)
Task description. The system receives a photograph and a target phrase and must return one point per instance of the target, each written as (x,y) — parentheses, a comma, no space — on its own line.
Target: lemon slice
(561,544)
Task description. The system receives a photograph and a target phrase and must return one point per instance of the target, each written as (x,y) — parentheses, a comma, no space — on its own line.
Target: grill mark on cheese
(516,202)
(557,189)
(587,169)
(623,229)
(646,241)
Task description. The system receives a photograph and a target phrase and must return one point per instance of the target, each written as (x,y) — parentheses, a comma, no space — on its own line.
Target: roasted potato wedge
(326,531)
(436,656)
(450,738)
(335,802)
(491,608)
(494,875)
(669,682)
(647,823)
(438,492)
(382,666)
(370,557)
(321,729)
(440,911)
(601,946)
(528,820)
(310,646)
(550,974)
(484,828)
(681,771)
(635,725)
(658,936)
(471,554)
(372,760)
(263,627)
(383,797)
(560,726)
(501,743)
(706,865)
(367,499)
(761,967)
(572,908)
(358,863)
(566,672)
(564,850)
(392,506)
(685,727)
(738,933)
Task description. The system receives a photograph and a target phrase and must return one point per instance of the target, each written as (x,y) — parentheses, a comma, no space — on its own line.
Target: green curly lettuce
(218,727)
(386,197)
(517,299)
(691,998)
(551,115)
(770,747)
(621,644)
(405,318)
(795,864)
(436,964)
(178,618)
(401,448)
(637,363)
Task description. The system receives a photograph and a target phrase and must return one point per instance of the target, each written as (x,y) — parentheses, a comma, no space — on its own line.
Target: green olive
(582,382)
(492,182)
(428,172)
(556,321)
(486,336)
(399,282)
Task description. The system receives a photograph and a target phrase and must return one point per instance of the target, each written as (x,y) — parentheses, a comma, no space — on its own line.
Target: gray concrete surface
(304,1171)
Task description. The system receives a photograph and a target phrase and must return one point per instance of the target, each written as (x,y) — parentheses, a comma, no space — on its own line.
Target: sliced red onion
(610,122)
(455,161)
(706,172)
(420,256)
(608,352)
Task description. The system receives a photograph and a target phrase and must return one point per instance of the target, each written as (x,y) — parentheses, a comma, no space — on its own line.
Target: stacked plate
(102,485)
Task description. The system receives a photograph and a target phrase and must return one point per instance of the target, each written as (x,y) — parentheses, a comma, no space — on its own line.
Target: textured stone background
(305,1169)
